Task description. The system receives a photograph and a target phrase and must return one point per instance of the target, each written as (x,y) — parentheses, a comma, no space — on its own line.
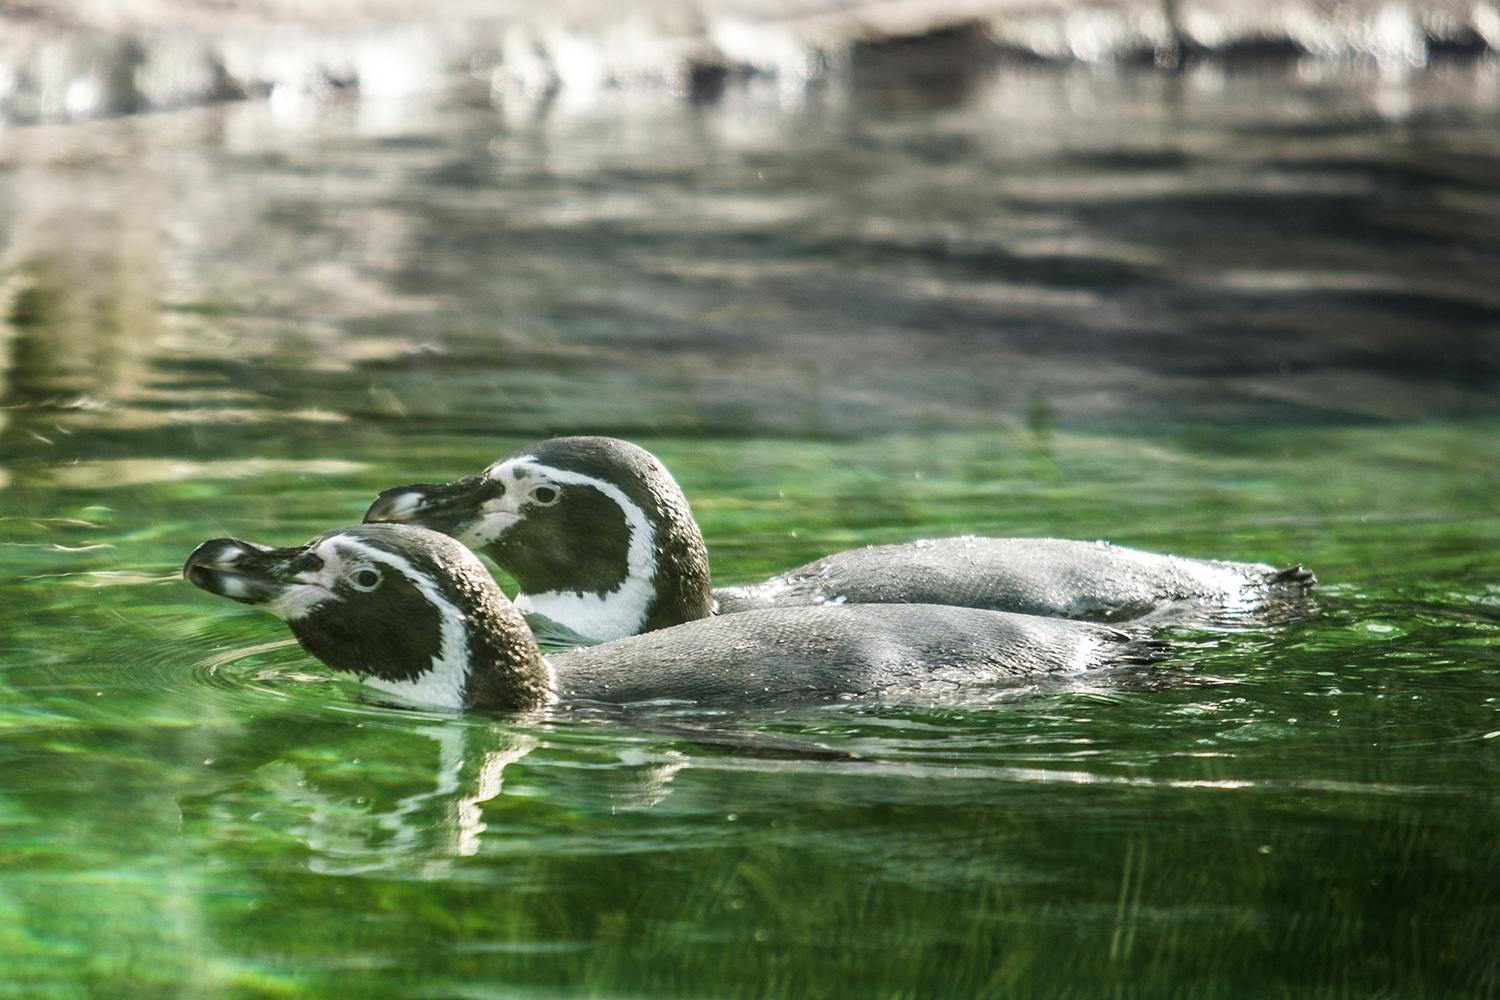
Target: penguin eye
(366,579)
(545,495)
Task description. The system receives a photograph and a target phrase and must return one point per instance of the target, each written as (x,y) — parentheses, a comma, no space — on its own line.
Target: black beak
(241,571)
(444,507)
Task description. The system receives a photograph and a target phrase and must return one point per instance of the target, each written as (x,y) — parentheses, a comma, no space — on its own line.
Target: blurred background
(779,217)
(786,218)
(248,239)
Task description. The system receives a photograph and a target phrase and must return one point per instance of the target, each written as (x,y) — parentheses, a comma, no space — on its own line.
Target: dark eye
(545,495)
(365,579)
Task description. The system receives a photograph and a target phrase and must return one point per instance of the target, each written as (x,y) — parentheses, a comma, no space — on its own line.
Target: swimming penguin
(415,616)
(601,541)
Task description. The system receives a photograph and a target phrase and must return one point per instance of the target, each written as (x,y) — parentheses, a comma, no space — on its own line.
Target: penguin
(602,543)
(416,617)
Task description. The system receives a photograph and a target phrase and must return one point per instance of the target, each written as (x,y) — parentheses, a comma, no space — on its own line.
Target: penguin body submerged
(1092,581)
(602,542)
(415,616)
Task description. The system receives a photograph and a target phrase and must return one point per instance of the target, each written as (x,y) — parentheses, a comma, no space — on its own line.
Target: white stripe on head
(499,514)
(444,684)
(612,615)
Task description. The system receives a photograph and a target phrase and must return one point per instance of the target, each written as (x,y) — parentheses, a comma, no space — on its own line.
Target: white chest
(603,617)
(441,687)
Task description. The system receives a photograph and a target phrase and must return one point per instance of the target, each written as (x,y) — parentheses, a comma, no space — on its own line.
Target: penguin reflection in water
(415,616)
(602,542)
(423,796)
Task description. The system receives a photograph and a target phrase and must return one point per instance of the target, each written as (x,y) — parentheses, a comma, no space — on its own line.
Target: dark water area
(1240,311)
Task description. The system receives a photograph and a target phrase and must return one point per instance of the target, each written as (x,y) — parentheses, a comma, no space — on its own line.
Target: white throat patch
(611,615)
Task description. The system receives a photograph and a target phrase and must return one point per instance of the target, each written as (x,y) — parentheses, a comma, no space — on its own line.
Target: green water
(1160,313)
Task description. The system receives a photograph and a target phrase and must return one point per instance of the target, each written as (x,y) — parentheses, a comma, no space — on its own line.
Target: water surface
(1231,313)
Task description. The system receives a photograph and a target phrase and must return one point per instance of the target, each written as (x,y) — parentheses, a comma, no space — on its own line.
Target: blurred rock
(63,60)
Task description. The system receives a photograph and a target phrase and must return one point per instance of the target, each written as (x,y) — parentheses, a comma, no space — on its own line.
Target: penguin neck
(683,586)
(491,661)
(506,670)
(665,583)
(598,615)
(651,575)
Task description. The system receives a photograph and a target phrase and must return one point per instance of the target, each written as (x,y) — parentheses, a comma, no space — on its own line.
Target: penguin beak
(445,507)
(241,571)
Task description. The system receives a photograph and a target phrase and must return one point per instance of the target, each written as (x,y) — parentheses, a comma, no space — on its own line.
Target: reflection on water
(1100,247)
(1234,313)
(333,799)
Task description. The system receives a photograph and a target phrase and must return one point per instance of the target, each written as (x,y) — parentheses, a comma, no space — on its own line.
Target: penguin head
(408,611)
(586,516)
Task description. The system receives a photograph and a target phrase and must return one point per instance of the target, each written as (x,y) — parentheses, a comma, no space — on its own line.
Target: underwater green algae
(193,804)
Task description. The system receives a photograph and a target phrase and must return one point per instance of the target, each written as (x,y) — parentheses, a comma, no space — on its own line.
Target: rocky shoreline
(68,61)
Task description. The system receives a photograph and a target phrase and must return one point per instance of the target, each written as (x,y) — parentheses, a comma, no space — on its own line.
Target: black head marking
(562,535)
(581,542)
(506,670)
(596,538)
(386,601)
(390,631)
